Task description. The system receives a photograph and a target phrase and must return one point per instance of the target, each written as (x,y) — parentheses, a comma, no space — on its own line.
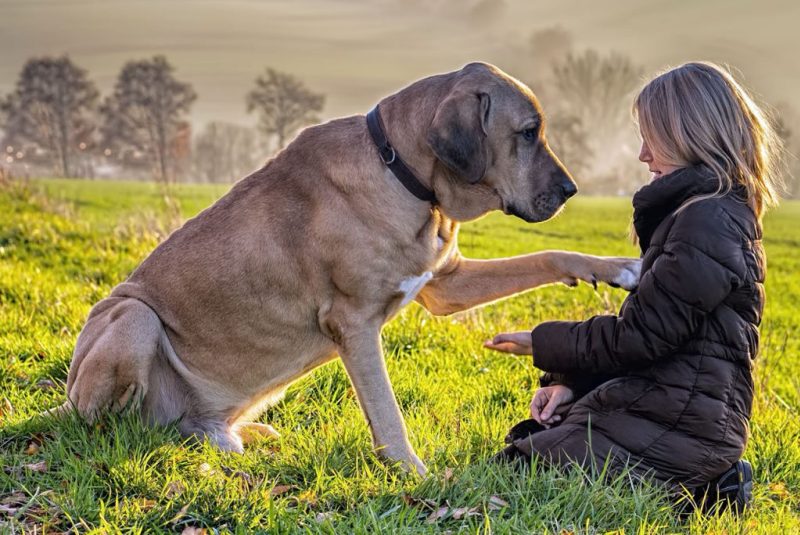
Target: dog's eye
(530,134)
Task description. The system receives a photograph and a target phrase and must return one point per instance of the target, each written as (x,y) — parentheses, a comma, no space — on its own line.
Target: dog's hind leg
(113,356)
(221,428)
(251,432)
(216,431)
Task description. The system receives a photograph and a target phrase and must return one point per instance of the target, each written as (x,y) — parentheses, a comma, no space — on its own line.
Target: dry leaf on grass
(145,503)
(277,490)
(448,474)
(324,517)
(41,466)
(245,480)
(778,490)
(459,513)
(308,496)
(45,384)
(463,512)
(180,514)
(418,502)
(438,514)
(174,488)
(205,470)
(20,505)
(6,409)
(14,498)
(191,530)
(8,510)
(496,503)
(32,449)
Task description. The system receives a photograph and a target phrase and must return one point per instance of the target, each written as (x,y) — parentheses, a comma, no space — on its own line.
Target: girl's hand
(545,402)
(519,343)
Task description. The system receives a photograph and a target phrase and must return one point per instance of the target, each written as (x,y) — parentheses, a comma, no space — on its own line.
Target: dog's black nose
(569,188)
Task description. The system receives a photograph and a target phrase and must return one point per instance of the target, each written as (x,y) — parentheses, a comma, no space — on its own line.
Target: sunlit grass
(65,244)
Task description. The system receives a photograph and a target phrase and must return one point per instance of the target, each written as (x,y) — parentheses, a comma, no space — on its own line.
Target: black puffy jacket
(666,385)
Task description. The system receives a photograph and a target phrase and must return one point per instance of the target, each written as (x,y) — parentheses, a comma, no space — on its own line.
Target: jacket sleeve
(580,384)
(700,264)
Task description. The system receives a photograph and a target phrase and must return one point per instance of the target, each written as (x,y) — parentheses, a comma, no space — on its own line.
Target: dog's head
(489,132)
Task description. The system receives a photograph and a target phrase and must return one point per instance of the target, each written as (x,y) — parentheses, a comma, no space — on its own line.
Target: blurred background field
(65,243)
(205,92)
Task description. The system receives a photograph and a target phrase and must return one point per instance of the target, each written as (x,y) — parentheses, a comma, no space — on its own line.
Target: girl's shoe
(733,489)
(511,453)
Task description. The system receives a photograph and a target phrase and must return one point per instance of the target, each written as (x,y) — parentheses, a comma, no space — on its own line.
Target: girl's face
(657,167)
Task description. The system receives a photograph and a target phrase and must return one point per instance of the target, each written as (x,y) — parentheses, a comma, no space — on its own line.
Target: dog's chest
(440,241)
(445,241)
(411,286)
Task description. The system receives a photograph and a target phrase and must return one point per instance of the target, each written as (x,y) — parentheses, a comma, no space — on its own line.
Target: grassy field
(65,244)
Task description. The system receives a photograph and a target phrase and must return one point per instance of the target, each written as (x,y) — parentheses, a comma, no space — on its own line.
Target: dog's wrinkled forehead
(510,98)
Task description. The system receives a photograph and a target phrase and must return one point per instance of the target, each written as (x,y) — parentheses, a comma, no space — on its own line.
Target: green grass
(65,244)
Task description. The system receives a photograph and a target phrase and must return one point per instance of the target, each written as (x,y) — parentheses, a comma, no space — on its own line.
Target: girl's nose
(644,154)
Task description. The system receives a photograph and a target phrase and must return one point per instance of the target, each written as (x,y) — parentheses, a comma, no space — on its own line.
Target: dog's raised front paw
(624,272)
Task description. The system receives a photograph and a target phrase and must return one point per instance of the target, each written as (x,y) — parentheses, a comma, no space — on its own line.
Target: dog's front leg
(361,353)
(464,283)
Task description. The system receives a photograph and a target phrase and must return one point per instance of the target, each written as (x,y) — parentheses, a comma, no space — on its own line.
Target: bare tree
(570,141)
(786,122)
(597,88)
(596,91)
(566,132)
(547,47)
(225,152)
(52,108)
(284,105)
(146,112)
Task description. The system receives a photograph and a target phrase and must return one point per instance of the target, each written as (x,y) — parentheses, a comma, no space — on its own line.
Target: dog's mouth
(511,209)
(544,207)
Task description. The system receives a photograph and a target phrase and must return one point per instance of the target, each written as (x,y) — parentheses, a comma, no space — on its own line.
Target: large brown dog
(308,257)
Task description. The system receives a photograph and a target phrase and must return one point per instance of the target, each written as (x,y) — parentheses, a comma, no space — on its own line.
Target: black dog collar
(393,161)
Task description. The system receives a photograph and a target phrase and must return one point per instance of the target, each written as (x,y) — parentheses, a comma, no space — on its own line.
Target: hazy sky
(355,51)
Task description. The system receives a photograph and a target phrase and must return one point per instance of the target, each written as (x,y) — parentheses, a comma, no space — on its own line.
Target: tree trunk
(161,149)
(162,164)
(63,129)
(65,160)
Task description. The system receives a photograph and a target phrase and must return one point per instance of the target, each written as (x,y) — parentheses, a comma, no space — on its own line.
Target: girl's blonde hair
(698,114)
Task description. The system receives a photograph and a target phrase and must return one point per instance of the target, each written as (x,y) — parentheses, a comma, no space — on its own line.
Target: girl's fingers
(551,421)
(550,408)
(506,347)
(502,337)
(535,410)
(539,400)
(518,342)
(518,337)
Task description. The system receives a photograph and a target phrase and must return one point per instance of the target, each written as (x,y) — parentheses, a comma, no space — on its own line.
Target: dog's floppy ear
(458,134)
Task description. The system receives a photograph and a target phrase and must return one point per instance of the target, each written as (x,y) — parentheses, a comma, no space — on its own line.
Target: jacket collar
(660,198)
